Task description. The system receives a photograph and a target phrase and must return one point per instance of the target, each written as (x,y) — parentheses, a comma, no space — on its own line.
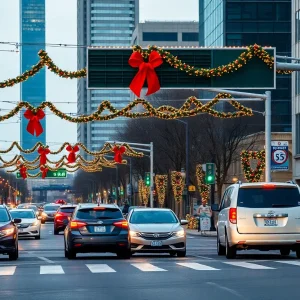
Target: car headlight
(179,233)
(134,233)
(8,231)
(35,223)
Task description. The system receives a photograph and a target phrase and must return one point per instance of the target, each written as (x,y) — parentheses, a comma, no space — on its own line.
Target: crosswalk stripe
(248,265)
(289,262)
(198,267)
(100,268)
(9,270)
(146,267)
(51,270)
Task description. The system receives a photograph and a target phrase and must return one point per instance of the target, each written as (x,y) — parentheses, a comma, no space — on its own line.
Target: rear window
(51,208)
(91,214)
(268,198)
(67,209)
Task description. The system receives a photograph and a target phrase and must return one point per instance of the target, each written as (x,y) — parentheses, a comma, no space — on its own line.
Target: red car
(61,219)
(60,201)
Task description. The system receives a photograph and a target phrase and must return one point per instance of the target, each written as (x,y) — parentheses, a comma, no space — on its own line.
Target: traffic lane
(230,284)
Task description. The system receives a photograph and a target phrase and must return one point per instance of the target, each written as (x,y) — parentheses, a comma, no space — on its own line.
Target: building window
(297,134)
(190,36)
(297,26)
(160,36)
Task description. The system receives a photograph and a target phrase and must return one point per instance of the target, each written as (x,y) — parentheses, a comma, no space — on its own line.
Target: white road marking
(145,267)
(51,270)
(100,268)
(190,237)
(204,257)
(46,259)
(231,291)
(198,267)
(248,265)
(290,262)
(5,271)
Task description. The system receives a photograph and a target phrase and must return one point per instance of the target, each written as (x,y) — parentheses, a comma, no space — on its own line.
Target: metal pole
(151,174)
(187,166)
(130,179)
(268,134)
(117,185)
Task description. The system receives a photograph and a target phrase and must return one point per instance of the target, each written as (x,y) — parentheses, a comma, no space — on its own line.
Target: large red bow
(43,152)
(118,153)
(23,171)
(72,155)
(44,170)
(34,124)
(146,70)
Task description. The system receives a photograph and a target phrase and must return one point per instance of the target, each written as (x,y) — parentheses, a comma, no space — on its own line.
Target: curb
(196,233)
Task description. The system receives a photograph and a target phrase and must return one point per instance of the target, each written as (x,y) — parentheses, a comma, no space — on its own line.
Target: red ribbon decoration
(118,153)
(72,156)
(43,152)
(146,71)
(44,170)
(34,125)
(23,171)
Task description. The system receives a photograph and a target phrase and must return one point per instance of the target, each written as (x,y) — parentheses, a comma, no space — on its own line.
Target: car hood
(154,227)
(27,221)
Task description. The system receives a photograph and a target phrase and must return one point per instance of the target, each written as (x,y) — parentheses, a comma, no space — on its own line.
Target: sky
(61,27)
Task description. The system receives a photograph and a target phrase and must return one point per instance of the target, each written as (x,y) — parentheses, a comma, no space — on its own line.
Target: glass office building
(32,39)
(102,23)
(242,23)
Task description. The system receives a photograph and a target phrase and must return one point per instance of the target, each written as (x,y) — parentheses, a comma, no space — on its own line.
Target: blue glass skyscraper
(32,39)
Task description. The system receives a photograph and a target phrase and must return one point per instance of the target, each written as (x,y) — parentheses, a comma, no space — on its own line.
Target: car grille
(155,235)
(23,225)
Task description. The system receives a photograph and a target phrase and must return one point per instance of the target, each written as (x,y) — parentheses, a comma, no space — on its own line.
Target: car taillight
(232,215)
(58,215)
(121,224)
(77,224)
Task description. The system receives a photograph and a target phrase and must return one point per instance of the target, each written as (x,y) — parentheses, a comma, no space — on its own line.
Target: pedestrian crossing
(52,269)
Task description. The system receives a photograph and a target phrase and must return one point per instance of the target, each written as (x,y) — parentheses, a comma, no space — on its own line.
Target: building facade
(32,39)
(242,23)
(102,23)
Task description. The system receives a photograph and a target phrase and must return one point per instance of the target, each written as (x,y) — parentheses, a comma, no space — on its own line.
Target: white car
(261,216)
(30,225)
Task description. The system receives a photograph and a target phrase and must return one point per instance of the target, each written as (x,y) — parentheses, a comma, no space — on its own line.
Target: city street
(42,272)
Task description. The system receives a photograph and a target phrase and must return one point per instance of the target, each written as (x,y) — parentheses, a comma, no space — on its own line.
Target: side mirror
(184,222)
(17,221)
(39,218)
(215,207)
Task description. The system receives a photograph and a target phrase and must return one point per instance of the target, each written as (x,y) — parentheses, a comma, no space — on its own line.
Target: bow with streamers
(43,152)
(34,125)
(146,71)
(72,154)
(44,171)
(23,171)
(118,153)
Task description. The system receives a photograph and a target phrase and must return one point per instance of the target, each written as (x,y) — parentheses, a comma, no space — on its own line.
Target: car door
(221,228)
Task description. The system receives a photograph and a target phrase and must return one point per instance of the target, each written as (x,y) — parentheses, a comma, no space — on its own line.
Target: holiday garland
(161,182)
(140,188)
(250,174)
(177,185)
(202,187)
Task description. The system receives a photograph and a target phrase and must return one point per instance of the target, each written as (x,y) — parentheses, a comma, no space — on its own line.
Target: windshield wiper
(283,205)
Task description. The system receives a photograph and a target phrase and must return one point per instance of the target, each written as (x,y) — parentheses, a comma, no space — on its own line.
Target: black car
(49,212)
(8,234)
(95,228)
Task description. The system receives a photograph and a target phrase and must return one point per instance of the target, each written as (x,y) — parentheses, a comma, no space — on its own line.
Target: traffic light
(210,173)
(147,179)
(114,191)
(121,191)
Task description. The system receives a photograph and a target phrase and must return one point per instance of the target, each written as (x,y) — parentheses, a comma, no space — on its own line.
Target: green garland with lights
(250,174)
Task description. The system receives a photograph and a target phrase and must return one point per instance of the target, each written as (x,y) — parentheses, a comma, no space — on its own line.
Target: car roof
(22,209)
(68,205)
(91,205)
(259,184)
(151,209)
(52,204)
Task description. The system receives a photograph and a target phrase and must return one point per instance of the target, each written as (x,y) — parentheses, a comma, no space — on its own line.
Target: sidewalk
(205,233)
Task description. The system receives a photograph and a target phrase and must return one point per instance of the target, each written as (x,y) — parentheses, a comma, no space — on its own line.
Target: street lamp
(234,179)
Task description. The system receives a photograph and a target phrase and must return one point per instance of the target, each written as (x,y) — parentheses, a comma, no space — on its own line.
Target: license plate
(99,229)
(156,243)
(270,222)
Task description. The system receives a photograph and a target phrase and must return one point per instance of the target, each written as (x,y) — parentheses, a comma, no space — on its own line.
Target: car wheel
(14,255)
(71,254)
(124,254)
(181,253)
(38,237)
(172,253)
(298,252)
(56,232)
(285,252)
(221,249)
(230,251)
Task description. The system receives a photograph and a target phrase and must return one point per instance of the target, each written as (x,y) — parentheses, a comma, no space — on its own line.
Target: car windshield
(153,217)
(95,213)
(4,217)
(22,214)
(268,198)
(51,208)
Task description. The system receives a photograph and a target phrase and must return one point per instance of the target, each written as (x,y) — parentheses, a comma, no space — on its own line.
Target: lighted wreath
(161,182)
(250,174)
(177,185)
(202,187)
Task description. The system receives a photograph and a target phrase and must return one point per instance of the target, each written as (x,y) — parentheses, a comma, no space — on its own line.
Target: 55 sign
(280,155)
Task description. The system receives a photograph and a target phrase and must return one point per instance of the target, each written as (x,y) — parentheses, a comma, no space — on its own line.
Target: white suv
(263,216)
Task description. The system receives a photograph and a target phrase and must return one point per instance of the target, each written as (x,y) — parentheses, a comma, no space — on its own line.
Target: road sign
(280,155)
(60,173)
(108,68)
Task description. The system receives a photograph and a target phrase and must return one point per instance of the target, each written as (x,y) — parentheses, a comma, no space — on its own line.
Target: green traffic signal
(210,174)
(147,179)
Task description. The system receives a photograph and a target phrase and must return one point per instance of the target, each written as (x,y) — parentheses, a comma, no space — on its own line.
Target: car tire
(71,254)
(14,255)
(181,253)
(221,249)
(298,252)
(56,232)
(172,253)
(38,237)
(230,251)
(124,254)
(285,252)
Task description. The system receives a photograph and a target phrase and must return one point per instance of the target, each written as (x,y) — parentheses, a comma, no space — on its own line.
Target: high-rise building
(242,23)
(102,23)
(32,39)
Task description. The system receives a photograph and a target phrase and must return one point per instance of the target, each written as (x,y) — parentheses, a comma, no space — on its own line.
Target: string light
(202,187)
(177,185)
(250,174)
(161,182)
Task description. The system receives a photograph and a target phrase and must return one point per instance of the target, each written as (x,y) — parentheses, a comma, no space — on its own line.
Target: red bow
(43,152)
(146,70)
(34,124)
(118,153)
(44,171)
(23,171)
(72,156)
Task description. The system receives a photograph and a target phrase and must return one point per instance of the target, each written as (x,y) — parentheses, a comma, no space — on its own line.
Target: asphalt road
(42,272)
